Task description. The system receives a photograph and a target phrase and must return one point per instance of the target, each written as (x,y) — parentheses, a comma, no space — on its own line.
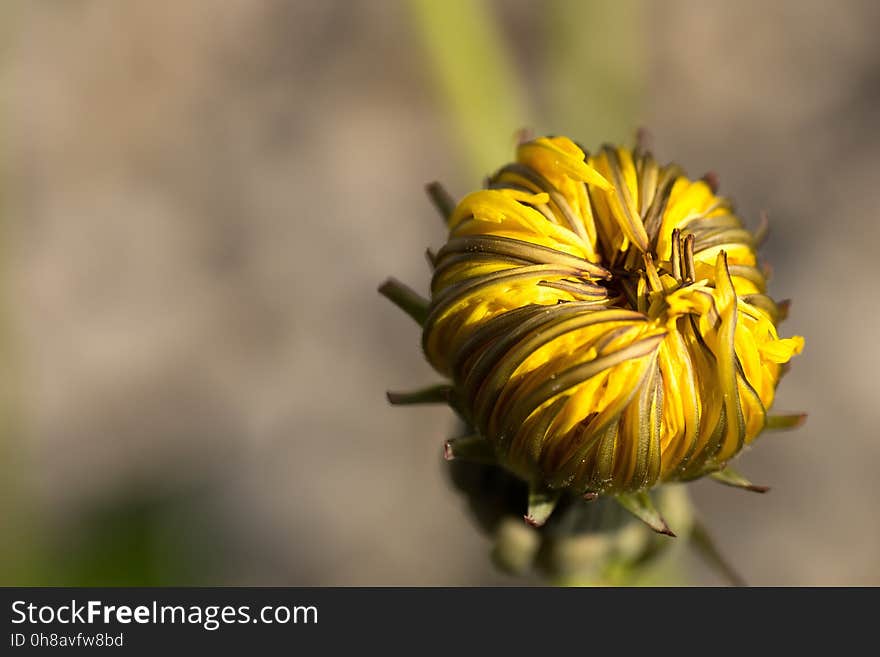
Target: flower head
(604,323)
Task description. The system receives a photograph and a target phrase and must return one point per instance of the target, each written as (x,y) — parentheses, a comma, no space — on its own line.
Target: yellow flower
(604,323)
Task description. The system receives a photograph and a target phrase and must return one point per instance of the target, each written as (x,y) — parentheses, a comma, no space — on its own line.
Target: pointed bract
(642,507)
(469,448)
(405,298)
(441,199)
(730,477)
(788,421)
(436,394)
(542,501)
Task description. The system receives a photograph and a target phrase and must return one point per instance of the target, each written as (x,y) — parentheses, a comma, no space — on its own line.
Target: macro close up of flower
(604,326)
(422,297)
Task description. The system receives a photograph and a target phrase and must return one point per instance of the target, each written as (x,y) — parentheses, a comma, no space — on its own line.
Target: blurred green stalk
(18,554)
(593,64)
(594,69)
(473,71)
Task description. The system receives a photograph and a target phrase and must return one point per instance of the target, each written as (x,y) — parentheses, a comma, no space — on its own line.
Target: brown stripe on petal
(543,208)
(703,223)
(508,246)
(567,217)
(653,217)
(632,221)
(450,263)
(574,469)
(534,439)
(603,467)
(491,331)
(570,378)
(722,237)
(727,363)
(751,392)
(711,410)
(642,420)
(492,384)
(751,274)
(454,293)
(654,463)
(765,303)
(497,360)
(690,386)
(647,173)
(581,290)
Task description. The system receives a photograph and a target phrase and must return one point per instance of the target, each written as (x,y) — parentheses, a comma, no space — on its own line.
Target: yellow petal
(781,351)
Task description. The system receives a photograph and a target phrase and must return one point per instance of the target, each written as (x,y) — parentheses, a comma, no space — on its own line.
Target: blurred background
(199,199)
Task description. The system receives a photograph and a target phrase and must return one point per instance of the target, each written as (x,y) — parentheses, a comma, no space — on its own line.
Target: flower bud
(604,326)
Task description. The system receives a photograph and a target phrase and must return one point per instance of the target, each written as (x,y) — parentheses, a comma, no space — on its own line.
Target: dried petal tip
(711,178)
(640,505)
(524,135)
(644,140)
(448,452)
(783,307)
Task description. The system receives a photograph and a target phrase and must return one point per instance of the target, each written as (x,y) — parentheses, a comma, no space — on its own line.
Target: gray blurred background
(199,199)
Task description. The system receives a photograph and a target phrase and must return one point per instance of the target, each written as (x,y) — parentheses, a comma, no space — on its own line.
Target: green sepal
(442,200)
(431,257)
(730,477)
(789,421)
(473,449)
(409,301)
(436,394)
(642,507)
(542,501)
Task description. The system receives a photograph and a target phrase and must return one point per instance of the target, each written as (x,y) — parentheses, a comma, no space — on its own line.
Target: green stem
(472,69)
(594,68)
